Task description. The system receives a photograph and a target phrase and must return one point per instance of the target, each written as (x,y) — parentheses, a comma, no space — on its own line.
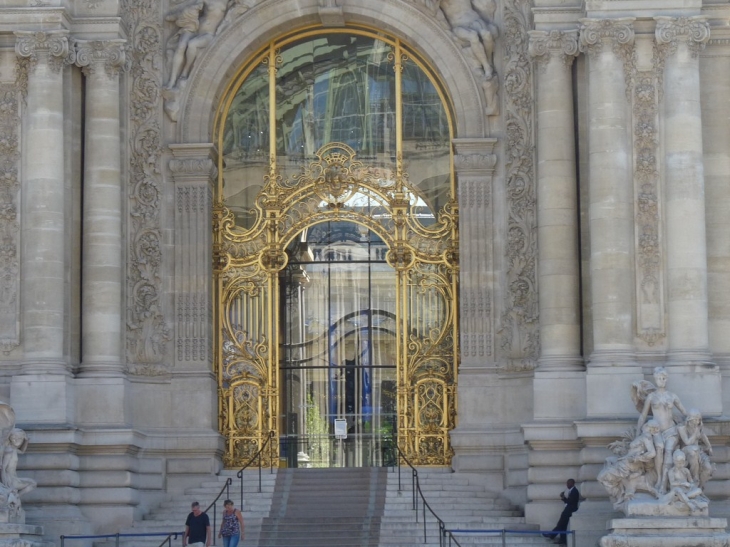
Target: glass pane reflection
(335,88)
(426,143)
(338,355)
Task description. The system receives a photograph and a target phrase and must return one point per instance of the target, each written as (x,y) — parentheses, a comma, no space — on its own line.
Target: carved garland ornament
(646,179)
(147,329)
(520,341)
(10,94)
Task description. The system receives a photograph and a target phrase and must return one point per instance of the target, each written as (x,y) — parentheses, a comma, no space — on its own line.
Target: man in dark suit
(570,498)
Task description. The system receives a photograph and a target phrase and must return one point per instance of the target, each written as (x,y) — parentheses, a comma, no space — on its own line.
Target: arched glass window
(336,247)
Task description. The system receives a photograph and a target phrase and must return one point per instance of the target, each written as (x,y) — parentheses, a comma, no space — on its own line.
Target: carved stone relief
(519,334)
(649,271)
(197,23)
(147,329)
(51,47)
(90,55)
(472,25)
(10,104)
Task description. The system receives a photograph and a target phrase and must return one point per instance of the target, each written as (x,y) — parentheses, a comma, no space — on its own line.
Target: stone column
(695,379)
(102,211)
(715,88)
(43,265)
(684,38)
(609,44)
(557,219)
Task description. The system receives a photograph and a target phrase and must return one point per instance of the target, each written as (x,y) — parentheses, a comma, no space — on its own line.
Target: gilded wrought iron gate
(250,251)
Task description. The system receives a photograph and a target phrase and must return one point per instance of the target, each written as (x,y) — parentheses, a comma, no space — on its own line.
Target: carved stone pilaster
(474,163)
(51,47)
(10,93)
(193,171)
(519,338)
(554,44)
(147,328)
(694,32)
(595,34)
(94,54)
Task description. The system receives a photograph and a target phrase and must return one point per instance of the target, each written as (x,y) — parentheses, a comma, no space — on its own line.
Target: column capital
(193,161)
(594,33)
(52,47)
(694,32)
(474,157)
(91,55)
(558,44)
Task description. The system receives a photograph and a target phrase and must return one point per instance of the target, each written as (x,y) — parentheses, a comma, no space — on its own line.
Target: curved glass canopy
(336,248)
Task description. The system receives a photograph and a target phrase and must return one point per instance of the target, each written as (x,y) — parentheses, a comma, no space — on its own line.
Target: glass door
(338,352)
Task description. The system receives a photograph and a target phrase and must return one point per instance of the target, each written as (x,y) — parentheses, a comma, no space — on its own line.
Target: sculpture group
(662,467)
(14,442)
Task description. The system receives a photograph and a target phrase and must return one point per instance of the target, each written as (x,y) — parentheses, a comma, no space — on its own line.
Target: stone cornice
(94,54)
(51,47)
(694,32)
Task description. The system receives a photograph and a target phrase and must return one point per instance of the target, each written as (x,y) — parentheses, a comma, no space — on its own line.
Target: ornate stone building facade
(585,236)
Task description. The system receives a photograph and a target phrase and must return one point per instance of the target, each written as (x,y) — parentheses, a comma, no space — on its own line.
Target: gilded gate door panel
(417,221)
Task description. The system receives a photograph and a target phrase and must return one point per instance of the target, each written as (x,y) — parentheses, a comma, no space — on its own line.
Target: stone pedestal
(667,532)
(22,535)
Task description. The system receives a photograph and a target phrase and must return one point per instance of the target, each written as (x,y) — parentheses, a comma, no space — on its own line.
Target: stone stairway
(326,508)
(344,507)
(170,515)
(461,500)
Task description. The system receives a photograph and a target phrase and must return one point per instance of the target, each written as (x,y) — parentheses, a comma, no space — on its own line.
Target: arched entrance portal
(335,241)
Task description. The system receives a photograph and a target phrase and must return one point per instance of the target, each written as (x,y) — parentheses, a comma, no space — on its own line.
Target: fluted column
(42,204)
(557,201)
(609,44)
(101,290)
(684,38)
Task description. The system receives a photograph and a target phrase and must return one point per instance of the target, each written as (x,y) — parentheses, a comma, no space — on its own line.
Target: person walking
(231,526)
(197,528)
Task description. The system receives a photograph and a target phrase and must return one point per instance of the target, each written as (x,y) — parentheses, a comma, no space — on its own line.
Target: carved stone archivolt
(95,54)
(147,329)
(519,333)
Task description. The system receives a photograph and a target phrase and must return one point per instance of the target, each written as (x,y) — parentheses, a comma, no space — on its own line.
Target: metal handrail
(226,486)
(272,434)
(503,534)
(168,539)
(416,489)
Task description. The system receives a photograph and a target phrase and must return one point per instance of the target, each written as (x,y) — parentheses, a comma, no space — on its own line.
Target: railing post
(398,461)
(504,538)
(414,478)
(424,522)
(116,540)
(259,471)
(62,541)
(241,473)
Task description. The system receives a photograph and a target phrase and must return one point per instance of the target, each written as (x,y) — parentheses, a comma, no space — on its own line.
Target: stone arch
(258,26)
